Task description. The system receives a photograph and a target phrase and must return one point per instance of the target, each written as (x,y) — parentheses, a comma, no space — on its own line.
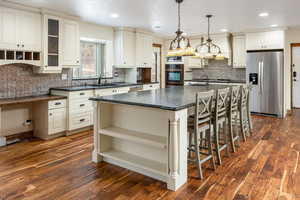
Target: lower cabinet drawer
(57,104)
(80,120)
(81,94)
(76,106)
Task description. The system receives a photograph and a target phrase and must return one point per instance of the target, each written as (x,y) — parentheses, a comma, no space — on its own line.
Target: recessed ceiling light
(224,30)
(264,14)
(274,25)
(114,15)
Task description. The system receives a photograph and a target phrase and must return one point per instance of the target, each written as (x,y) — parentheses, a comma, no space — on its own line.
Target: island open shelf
(135,136)
(141,139)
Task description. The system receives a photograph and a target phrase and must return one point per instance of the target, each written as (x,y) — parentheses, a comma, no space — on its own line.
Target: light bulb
(219,56)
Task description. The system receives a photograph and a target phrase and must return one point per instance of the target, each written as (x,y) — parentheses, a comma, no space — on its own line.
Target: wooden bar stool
(219,122)
(233,115)
(200,129)
(245,116)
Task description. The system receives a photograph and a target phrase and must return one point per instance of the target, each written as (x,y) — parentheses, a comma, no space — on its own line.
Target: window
(92,59)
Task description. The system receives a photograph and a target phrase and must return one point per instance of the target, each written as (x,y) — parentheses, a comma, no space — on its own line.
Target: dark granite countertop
(30,99)
(217,80)
(173,98)
(91,87)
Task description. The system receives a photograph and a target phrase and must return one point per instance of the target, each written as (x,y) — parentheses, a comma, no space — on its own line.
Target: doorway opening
(295,75)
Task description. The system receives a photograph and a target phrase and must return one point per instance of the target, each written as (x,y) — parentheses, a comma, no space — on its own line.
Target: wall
(94,31)
(291,36)
(219,69)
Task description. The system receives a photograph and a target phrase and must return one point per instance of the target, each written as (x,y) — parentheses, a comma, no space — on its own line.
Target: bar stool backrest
(234,98)
(244,95)
(221,102)
(203,107)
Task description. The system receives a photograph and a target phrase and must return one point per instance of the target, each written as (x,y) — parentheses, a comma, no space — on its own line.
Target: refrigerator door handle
(259,76)
(262,76)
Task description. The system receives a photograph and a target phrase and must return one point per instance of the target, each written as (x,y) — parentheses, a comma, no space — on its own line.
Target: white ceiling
(234,15)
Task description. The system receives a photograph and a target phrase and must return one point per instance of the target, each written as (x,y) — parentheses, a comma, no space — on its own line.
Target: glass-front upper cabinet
(52,44)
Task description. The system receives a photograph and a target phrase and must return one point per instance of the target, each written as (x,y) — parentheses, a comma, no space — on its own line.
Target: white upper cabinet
(191,62)
(125,49)
(70,44)
(52,45)
(144,50)
(265,40)
(20,30)
(239,52)
(8,28)
(29,31)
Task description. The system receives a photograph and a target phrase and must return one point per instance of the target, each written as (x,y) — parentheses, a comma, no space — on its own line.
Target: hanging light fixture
(207,49)
(180,45)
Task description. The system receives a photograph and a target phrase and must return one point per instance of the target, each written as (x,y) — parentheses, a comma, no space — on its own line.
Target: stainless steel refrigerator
(265,74)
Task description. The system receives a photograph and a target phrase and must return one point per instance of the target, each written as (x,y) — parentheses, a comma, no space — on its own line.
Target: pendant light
(180,45)
(207,49)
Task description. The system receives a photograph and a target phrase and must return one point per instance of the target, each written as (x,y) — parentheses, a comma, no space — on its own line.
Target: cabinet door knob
(18,45)
(50,114)
(77,61)
(22,45)
(82,120)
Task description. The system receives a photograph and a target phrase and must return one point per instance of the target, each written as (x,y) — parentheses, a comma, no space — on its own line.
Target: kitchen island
(146,131)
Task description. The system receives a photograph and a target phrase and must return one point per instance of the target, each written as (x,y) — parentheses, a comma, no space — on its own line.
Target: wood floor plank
(265,167)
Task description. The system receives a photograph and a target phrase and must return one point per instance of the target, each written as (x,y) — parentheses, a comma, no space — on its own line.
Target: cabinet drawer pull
(82,120)
(81,94)
(58,103)
(81,105)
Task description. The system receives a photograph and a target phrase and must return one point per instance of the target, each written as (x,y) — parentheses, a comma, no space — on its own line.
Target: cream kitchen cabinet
(52,45)
(70,44)
(193,62)
(79,109)
(16,30)
(125,49)
(57,121)
(239,51)
(144,50)
(50,118)
(265,40)
(111,91)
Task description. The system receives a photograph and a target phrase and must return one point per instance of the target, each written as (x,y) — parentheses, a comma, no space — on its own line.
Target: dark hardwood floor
(267,166)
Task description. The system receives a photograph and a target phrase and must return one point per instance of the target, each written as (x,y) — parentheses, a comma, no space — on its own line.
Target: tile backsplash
(19,80)
(219,69)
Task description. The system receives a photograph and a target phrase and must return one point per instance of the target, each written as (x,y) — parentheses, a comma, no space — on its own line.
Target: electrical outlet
(64,77)
(27,122)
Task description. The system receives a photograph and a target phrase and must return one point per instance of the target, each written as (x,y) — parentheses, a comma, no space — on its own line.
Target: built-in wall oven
(174,71)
